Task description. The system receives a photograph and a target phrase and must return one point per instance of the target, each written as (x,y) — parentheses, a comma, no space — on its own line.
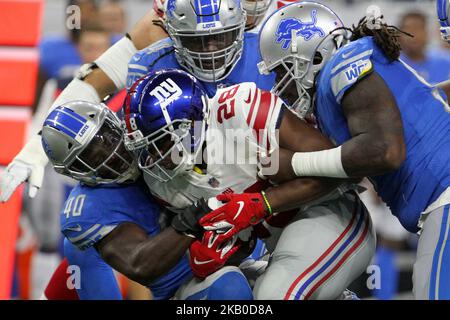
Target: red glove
(239,212)
(209,255)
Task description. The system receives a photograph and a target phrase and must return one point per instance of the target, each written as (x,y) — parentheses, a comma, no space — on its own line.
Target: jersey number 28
(226,101)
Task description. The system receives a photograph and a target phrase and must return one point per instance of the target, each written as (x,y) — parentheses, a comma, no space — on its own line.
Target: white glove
(29,165)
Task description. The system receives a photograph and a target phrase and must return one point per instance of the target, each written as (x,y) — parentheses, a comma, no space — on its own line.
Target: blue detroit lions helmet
(165,116)
(207,35)
(296,41)
(84,141)
(443,8)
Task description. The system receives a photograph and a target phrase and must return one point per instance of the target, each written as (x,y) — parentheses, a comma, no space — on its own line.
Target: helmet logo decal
(307,30)
(67,121)
(207,11)
(170,7)
(166,92)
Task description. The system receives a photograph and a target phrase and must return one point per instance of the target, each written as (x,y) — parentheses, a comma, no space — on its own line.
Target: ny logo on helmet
(290,27)
(167,92)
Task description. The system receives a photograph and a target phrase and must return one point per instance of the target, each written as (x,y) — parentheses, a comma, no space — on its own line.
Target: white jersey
(241,128)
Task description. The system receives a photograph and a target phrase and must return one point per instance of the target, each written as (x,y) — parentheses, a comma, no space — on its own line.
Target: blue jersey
(161,55)
(91,213)
(425,174)
(434,69)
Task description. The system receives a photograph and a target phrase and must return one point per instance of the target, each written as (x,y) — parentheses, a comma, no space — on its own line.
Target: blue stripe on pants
(443,281)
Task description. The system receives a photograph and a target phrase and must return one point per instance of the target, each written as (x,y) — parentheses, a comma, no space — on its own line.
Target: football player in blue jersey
(108,74)
(386,121)
(207,39)
(111,216)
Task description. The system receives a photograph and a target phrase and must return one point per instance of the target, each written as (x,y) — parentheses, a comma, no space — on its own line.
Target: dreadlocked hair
(386,37)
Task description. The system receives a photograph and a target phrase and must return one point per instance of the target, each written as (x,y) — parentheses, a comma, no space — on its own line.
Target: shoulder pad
(141,61)
(349,65)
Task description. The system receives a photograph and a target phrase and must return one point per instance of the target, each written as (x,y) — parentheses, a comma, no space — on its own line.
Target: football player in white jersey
(317,250)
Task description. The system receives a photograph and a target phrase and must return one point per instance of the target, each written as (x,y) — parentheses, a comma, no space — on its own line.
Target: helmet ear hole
(91,115)
(318,58)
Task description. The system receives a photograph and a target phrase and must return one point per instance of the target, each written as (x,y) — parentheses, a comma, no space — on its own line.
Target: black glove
(187,221)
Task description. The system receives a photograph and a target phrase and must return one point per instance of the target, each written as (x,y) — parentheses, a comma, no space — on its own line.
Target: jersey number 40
(74,206)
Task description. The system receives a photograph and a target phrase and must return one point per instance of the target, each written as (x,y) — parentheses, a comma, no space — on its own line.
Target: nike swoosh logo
(347,54)
(249,99)
(77,228)
(202,262)
(212,240)
(241,206)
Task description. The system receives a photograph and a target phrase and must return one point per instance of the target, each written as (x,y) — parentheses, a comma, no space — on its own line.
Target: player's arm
(108,76)
(142,258)
(242,210)
(143,34)
(129,250)
(295,135)
(377,145)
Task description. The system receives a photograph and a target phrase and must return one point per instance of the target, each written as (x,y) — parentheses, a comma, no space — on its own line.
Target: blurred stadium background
(38,57)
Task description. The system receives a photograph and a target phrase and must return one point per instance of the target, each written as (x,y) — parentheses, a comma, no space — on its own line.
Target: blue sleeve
(82,221)
(144,61)
(98,281)
(351,63)
(91,213)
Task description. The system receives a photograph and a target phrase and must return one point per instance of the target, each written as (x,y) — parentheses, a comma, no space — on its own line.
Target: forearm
(145,32)
(147,259)
(157,256)
(294,193)
(362,156)
(101,83)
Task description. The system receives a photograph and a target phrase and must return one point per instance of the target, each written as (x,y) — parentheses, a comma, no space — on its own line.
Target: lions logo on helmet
(299,39)
(307,30)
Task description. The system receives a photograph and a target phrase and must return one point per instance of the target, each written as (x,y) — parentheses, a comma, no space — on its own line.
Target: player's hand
(210,254)
(239,212)
(187,221)
(29,166)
